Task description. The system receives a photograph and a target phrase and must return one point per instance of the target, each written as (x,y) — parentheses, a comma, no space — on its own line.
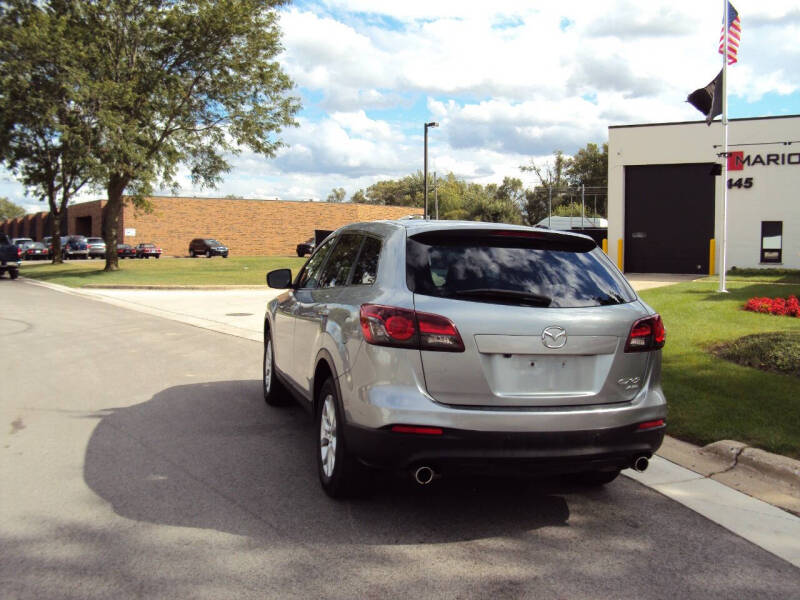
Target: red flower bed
(789,307)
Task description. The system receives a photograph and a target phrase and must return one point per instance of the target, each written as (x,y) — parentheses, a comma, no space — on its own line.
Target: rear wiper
(500,294)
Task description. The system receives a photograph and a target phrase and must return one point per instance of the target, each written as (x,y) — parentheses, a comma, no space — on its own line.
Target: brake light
(19,251)
(646,334)
(651,424)
(405,328)
(517,233)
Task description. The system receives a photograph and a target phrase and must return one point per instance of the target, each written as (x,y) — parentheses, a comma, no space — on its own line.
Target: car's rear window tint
(366,269)
(513,267)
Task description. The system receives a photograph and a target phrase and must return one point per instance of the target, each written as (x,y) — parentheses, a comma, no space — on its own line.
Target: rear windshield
(513,267)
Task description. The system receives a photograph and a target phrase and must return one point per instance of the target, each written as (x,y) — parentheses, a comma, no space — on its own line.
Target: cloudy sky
(507,80)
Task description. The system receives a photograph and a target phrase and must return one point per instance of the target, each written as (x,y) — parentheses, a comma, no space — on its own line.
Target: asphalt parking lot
(141,461)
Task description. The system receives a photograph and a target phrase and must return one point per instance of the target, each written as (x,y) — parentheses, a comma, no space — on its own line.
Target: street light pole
(425,170)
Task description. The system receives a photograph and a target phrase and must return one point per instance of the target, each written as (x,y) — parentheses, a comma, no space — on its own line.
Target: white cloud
(507,81)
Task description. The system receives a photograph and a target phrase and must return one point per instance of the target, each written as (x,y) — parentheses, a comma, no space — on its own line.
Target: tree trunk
(111,213)
(56,227)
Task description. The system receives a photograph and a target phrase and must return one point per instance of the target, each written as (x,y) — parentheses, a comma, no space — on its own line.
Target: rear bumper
(502,452)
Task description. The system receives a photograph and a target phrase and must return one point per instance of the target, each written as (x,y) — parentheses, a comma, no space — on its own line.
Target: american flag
(734,35)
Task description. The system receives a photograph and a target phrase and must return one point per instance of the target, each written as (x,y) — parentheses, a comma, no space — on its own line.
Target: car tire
(340,474)
(300,254)
(13,273)
(596,478)
(208,253)
(274,392)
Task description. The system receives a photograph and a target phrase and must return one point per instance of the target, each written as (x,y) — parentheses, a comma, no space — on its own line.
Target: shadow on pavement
(214,456)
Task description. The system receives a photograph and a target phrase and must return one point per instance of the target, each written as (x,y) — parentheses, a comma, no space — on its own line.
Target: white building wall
(775,191)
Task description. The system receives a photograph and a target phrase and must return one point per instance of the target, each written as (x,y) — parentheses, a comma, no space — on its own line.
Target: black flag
(708,100)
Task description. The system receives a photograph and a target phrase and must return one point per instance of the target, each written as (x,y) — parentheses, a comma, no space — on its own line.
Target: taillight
(651,424)
(646,334)
(19,251)
(405,328)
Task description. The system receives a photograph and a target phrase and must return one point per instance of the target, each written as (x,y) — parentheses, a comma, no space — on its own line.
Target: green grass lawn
(711,398)
(241,270)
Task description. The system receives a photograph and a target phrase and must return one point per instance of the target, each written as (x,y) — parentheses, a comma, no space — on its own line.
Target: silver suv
(437,346)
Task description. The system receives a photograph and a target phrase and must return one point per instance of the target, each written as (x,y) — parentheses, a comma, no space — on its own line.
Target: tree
(398,192)
(589,167)
(336,195)
(9,210)
(495,210)
(551,189)
(46,137)
(178,82)
(358,197)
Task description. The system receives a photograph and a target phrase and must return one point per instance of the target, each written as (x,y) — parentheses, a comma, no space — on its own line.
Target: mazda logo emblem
(554,337)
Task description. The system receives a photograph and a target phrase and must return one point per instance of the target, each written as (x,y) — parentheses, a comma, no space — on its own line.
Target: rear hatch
(544,318)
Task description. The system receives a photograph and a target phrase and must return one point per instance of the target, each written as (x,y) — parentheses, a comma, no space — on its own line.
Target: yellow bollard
(712,255)
(605,245)
(619,254)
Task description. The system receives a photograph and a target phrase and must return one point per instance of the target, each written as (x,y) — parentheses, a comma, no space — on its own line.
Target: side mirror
(280,279)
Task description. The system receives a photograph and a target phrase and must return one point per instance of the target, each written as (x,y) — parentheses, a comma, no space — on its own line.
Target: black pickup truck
(9,257)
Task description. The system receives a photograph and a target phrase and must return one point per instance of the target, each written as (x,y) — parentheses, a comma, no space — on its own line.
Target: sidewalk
(741,496)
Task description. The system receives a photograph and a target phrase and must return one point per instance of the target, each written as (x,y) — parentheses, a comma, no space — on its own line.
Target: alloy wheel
(268,367)
(327,436)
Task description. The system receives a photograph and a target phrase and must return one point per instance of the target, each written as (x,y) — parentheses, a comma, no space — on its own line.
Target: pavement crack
(736,455)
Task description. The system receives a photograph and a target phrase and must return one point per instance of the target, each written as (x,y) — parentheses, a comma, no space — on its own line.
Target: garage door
(669,218)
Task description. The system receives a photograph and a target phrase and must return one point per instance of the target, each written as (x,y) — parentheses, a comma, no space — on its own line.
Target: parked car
(126,251)
(9,257)
(434,347)
(20,242)
(207,247)
(74,246)
(306,247)
(147,250)
(34,251)
(97,247)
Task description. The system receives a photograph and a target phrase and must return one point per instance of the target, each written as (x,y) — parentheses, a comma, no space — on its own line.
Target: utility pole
(436,196)
(425,169)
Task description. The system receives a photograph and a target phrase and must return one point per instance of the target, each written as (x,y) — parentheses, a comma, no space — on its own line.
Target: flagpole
(724,265)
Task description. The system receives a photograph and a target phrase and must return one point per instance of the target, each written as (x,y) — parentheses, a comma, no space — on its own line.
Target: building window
(771,241)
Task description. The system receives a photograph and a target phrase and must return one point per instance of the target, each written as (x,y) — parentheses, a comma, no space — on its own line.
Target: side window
(366,269)
(771,241)
(337,270)
(310,273)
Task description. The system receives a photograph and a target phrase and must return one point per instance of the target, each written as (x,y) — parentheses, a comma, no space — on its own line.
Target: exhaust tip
(424,475)
(640,464)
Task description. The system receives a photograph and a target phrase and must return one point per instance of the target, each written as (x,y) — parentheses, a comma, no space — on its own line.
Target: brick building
(247,227)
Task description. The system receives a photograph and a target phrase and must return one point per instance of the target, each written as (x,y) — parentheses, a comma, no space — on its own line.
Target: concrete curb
(780,467)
